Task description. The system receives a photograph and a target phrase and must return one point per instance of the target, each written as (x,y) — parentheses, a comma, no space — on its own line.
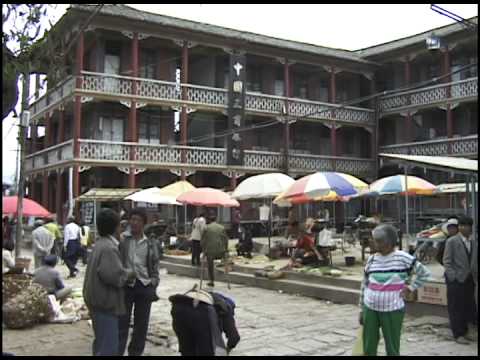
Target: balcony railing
(166,156)
(201,97)
(459,91)
(50,156)
(53,97)
(460,146)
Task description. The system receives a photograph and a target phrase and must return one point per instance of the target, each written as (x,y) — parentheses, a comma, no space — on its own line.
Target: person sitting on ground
(306,252)
(8,262)
(50,278)
(245,244)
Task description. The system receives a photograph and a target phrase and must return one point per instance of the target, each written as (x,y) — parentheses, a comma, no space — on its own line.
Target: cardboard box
(433,293)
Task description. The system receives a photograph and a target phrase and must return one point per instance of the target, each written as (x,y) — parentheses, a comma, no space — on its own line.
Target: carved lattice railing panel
(259,160)
(463,89)
(310,163)
(102,150)
(460,146)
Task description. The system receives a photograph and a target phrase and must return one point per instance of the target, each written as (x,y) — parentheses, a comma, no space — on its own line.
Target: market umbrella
(321,183)
(262,186)
(207,197)
(173,191)
(30,207)
(403,184)
(398,184)
(153,195)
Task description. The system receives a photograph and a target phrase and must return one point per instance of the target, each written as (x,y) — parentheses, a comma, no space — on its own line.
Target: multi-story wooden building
(137,99)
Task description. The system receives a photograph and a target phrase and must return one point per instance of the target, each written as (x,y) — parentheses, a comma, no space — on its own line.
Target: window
(254,78)
(147,65)
(149,130)
(110,129)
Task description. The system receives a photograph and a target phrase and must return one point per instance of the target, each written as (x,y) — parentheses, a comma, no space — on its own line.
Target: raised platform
(345,289)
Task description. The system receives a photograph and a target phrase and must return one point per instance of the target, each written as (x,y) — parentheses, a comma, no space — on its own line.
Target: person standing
(103,287)
(458,260)
(139,254)
(43,241)
(52,226)
(84,241)
(384,288)
(214,244)
(198,227)
(72,246)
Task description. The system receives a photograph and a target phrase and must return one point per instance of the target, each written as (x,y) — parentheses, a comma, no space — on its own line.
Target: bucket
(349,260)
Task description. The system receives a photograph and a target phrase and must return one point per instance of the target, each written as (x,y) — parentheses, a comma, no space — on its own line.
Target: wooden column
(183,115)
(48,131)
(408,119)
(333,97)
(447,79)
(233,182)
(77,116)
(61,126)
(288,93)
(59,197)
(45,191)
(133,110)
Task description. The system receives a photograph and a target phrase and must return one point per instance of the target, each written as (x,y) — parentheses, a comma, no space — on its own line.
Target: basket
(349,260)
(23,263)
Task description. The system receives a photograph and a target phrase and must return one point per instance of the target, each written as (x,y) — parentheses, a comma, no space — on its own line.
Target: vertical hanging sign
(236,109)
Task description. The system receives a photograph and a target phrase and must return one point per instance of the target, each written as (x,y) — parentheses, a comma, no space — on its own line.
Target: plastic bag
(358,346)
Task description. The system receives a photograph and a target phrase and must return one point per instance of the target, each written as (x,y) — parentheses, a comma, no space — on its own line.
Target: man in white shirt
(43,241)
(72,245)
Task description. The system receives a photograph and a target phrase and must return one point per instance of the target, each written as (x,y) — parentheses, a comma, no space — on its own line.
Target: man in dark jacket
(459,260)
(105,278)
(140,254)
(214,244)
(199,318)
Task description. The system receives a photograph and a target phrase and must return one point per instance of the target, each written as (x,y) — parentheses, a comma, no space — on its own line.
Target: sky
(341,26)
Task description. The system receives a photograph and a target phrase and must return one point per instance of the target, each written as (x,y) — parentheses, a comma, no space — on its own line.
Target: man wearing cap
(450,229)
(43,241)
(458,260)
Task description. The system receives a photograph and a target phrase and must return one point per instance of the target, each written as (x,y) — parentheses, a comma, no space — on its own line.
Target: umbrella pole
(407,229)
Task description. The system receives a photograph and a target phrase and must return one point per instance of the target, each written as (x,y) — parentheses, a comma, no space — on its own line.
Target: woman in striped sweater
(384,288)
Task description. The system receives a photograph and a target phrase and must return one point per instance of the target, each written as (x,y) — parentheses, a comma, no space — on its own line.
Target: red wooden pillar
(408,119)
(333,97)
(184,116)
(447,79)
(59,197)
(45,191)
(48,130)
(288,93)
(133,110)
(61,126)
(233,181)
(77,117)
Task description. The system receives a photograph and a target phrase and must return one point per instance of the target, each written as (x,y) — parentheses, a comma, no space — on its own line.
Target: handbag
(358,346)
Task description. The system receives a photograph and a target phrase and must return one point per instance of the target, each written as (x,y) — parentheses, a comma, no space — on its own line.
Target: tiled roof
(120,10)
(414,39)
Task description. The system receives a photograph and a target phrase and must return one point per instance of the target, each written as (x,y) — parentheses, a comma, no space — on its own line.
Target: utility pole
(22,127)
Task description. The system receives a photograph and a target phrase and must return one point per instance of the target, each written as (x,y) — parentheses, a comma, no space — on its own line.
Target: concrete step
(320,291)
(319,287)
(290,275)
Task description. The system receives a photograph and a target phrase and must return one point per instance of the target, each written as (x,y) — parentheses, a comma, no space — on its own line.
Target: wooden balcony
(466,146)
(156,92)
(118,154)
(459,91)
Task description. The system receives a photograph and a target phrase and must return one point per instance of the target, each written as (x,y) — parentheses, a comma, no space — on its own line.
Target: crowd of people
(122,277)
